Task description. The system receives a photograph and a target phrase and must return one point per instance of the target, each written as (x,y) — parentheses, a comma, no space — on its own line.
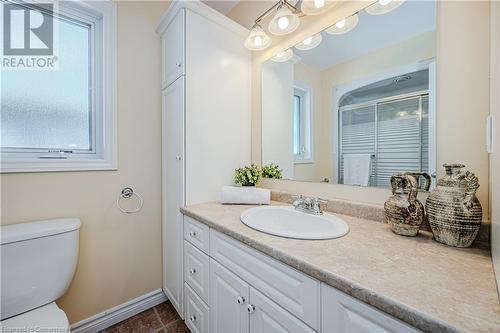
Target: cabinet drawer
(196,270)
(197,312)
(197,234)
(342,313)
(294,291)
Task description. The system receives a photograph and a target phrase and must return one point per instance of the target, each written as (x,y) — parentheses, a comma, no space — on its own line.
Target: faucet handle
(320,200)
(316,205)
(298,200)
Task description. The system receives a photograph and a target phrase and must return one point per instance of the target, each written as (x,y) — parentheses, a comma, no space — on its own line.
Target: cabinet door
(173,192)
(172,42)
(228,301)
(267,316)
(343,314)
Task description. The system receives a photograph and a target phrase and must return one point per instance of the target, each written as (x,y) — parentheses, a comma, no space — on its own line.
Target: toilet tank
(38,261)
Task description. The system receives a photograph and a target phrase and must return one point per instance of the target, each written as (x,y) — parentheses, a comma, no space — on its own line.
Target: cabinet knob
(178,64)
(178,158)
(192,271)
(192,233)
(250,308)
(240,300)
(192,318)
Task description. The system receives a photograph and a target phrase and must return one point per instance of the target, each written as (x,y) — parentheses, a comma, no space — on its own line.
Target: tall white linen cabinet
(206,91)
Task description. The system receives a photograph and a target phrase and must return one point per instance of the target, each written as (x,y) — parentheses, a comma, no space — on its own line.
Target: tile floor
(162,319)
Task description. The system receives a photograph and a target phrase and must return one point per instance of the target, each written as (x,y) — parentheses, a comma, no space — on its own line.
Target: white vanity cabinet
(206,103)
(237,307)
(250,292)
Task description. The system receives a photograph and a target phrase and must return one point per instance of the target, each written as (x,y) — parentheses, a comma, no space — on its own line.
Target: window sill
(304,161)
(31,165)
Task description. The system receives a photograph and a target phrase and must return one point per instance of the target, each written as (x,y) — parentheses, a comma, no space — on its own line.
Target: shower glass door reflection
(394,131)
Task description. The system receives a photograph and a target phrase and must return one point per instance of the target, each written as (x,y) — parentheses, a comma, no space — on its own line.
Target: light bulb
(283,22)
(319,3)
(310,42)
(340,24)
(257,39)
(283,56)
(383,6)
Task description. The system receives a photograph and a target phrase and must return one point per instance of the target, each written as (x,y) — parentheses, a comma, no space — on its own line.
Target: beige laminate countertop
(431,286)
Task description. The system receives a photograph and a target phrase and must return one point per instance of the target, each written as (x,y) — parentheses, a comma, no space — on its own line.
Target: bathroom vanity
(237,279)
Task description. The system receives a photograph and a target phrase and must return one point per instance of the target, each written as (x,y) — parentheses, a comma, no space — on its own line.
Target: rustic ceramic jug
(453,210)
(403,212)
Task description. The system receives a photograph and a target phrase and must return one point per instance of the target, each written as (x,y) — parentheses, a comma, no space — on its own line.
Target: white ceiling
(222,6)
(412,18)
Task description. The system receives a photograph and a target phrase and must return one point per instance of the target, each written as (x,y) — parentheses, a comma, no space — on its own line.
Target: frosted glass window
(51,109)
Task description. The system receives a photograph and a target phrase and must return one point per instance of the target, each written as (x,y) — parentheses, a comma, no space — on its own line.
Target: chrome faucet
(309,205)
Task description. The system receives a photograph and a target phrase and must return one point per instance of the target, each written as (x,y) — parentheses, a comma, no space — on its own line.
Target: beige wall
(495,157)
(463,88)
(120,255)
(463,94)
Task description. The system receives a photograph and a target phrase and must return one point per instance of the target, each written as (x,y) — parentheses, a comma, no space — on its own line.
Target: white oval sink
(285,221)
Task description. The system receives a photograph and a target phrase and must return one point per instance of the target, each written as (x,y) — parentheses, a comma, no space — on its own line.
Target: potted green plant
(272,171)
(248,175)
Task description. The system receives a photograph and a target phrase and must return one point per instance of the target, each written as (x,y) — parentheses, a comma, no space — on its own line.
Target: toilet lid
(47,316)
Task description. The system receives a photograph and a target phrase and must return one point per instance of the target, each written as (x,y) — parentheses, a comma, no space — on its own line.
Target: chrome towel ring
(127,193)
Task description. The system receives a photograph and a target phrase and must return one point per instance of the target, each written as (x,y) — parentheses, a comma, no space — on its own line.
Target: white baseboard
(118,313)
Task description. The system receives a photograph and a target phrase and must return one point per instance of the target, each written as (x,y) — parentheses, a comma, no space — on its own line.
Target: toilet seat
(45,317)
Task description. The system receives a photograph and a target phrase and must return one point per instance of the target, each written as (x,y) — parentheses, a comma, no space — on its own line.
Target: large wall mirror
(355,103)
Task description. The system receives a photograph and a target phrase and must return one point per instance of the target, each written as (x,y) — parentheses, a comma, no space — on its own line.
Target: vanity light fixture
(283,56)
(344,25)
(257,39)
(383,6)
(310,42)
(314,7)
(285,21)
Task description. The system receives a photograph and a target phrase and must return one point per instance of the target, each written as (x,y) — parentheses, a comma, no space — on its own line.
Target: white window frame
(101,15)
(306,123)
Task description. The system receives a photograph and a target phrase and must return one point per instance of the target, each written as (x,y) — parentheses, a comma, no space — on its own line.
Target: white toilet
(38,261)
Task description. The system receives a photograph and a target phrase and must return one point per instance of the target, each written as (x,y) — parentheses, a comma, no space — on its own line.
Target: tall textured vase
(453,210)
